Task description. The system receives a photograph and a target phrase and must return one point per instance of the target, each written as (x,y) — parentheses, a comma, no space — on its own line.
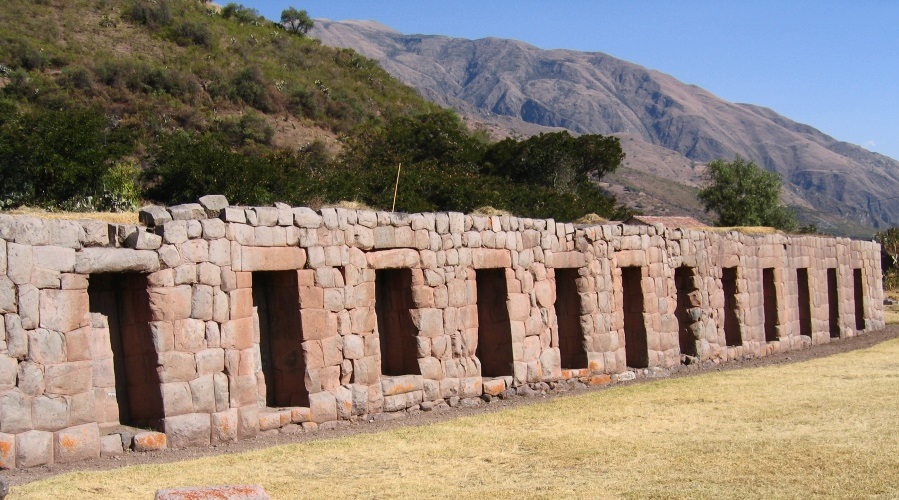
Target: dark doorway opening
(833,303)
(635,343)
(805,302)
(769,296)
(687,303)
(397,332)
(276,298)
(732,334)
(494,329)
(568,313)
(120,303)
(858,281)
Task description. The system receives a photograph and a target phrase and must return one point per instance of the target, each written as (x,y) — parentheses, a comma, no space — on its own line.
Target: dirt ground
(419,418)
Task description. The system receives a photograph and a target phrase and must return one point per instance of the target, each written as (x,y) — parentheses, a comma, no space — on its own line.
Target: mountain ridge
(508,83)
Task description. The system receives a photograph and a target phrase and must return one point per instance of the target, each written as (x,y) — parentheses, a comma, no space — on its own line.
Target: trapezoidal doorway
(396,330)
(276,298)
(635,342)
(568,314)
(494,349)
(125,373)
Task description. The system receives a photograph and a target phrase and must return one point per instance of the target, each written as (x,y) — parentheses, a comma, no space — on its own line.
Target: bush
(188,32)
(153,15)
(249,87)
(248,128)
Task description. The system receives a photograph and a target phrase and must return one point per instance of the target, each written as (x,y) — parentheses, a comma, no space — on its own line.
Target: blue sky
(833,65)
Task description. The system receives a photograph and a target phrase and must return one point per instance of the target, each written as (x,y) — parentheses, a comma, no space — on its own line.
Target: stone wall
(212,323)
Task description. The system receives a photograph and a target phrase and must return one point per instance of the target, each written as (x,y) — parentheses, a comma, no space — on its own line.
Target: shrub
(250,127)
(188,32)
(150,14)
(249,87)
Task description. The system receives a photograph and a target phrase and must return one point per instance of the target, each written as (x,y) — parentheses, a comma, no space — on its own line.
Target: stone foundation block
(188,430)
(111,445)
(494,387)
(247,422)
(149,441)
(77,443)
(322,407)
(269,421)
(7,451)
(391,386)
(34,448)
(224,426)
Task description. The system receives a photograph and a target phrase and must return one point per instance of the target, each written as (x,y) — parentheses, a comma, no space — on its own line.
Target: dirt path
(392,421)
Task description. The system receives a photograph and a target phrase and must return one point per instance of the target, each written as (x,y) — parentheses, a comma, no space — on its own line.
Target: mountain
(518,89)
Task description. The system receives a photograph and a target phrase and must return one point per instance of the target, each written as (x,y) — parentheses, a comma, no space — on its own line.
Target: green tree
(742,194)
(296,21)
(557,160)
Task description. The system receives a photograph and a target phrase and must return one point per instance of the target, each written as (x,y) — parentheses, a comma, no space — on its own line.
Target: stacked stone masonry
(212,323)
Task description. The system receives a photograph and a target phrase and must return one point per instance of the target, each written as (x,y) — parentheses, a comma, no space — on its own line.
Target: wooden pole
(396,187)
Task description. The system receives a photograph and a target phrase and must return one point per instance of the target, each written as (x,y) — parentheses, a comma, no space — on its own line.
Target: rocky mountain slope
(521,90)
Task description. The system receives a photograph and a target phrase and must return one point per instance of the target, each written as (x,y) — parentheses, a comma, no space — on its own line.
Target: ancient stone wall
(212,323)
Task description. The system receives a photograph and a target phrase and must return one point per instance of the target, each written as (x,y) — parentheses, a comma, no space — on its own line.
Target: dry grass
(487,210)
(592,219)
(753,230)
(114,217)
(824,428)
(891,312)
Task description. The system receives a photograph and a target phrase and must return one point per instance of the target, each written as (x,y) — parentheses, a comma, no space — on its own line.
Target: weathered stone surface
(81,442)
(20,261)
(393,259)
(188,211)
(153,215)
(322,407)
(115,260)
(63,310)
(143,240)
(69,378)
(28,302)
(7,451)
(34,448)
(8,302)
(214,202)
(231,492)
(483,258)
(111,445)
(188,430)
(271,258)
(224,426)
(149,441)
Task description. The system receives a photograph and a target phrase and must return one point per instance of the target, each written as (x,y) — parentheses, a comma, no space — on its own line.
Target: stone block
(188,430)
(231,492)
(50,413)
(69,378)
(519,305)
(20,262)
(111,445)
(63,310)
(247,422)
(115,260)
(393,259)
(46,347)
(224,426)
(187,211)
(392,386)
(176,366)
(34,448)
(202,391)
(149,441)
(153,215)
(214,202)
(483,258)
(306,217)
(322,407)
(429,322)
(238,334)
(318,324)
(170,303)
(8,302)
(81,442)
(143,240)
(7,451)
(28,302)
(272,258)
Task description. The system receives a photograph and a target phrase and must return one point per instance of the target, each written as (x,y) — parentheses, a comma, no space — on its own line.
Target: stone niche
(210,323)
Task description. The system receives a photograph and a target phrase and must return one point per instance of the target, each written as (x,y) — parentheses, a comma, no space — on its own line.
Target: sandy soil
(390,421)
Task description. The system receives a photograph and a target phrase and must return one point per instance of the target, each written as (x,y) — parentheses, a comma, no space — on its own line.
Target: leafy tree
(297,21)
(57,157)
(557,160)
(745,195)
